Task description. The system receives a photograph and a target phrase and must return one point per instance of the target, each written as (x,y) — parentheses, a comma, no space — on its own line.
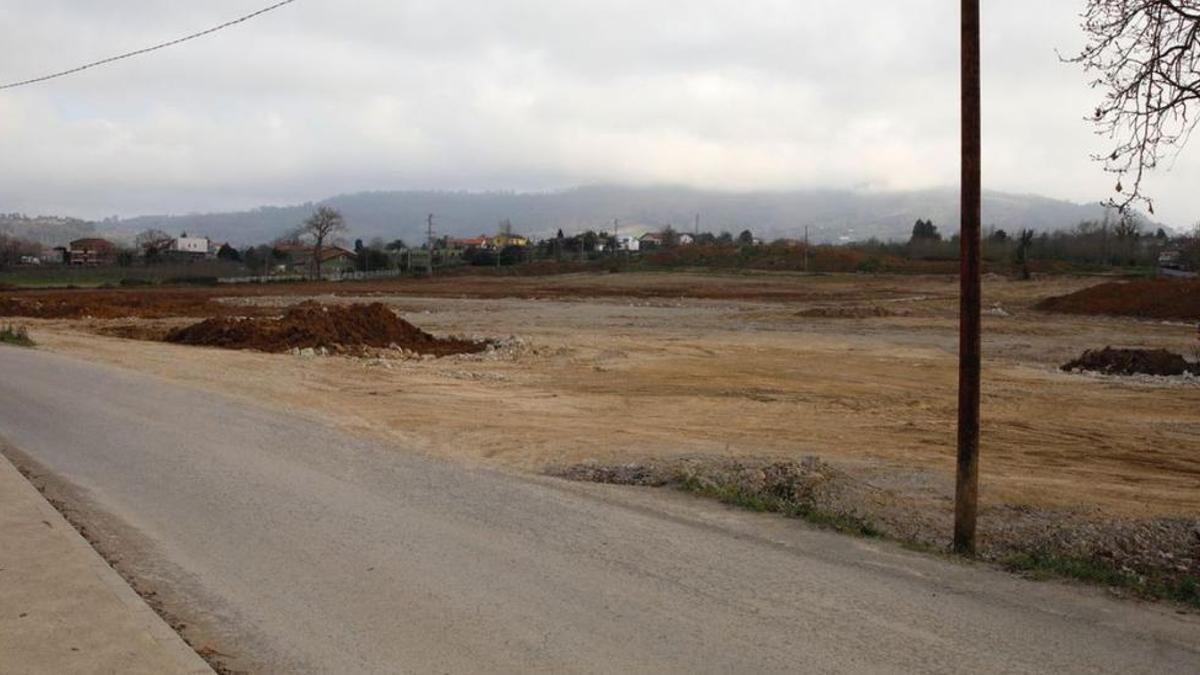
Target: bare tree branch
(1146,58)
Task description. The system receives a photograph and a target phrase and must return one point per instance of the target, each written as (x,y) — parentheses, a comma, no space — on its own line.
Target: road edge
(167,638)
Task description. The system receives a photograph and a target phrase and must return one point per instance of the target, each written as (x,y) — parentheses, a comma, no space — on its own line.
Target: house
(628,242)
(685,239)
(650,240)
(91,251)
(190,247)
(482,241)
(333,259)
(506,239)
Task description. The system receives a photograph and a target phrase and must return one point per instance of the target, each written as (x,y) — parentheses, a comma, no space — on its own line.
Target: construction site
(638,377)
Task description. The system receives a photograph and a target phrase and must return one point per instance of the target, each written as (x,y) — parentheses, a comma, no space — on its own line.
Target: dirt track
(622,367)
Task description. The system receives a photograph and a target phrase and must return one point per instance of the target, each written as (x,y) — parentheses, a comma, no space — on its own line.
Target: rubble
(1111,361)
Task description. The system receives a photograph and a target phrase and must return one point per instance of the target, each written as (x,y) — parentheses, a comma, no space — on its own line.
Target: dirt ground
(859,370)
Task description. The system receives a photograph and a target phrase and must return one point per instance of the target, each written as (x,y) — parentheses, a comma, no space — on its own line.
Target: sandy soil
(626,367)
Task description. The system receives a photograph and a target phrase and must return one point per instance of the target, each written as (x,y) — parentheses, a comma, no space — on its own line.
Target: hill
(831,215)
(45,230)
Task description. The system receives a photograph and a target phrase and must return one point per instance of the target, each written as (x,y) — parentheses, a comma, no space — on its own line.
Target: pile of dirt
(860,312)
(1177,299)
(309,325)
(1110,361)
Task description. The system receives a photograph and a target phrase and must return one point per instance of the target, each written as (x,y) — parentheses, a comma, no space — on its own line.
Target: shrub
(16,335)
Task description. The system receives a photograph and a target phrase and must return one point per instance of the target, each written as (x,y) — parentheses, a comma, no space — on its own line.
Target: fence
(335,275)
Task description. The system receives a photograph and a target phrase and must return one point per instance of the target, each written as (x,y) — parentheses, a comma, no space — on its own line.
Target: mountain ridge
(831,215)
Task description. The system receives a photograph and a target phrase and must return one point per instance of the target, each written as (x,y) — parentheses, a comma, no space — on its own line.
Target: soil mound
(311,325)
(1177,299)
(865,312)
(1112,361)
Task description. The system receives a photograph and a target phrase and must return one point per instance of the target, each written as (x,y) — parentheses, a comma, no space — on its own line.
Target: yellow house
(504,240)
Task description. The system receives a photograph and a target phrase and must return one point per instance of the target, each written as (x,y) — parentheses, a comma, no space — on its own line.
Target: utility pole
(966,492)
(429,225)
(616,236)
(697,232)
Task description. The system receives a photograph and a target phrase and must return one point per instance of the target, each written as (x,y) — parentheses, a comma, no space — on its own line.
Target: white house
(628,242)
(196,246)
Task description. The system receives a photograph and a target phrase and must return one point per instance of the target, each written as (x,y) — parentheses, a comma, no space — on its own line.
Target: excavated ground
(1168,299)
(614,369)
(309,325)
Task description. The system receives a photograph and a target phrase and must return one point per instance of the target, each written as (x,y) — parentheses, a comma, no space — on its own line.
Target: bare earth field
(859,371)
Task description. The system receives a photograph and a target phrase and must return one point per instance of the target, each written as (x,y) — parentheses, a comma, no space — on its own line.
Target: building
(482,241)
(506,239)
(333,259)
(90,251)
(191,247)
(650,240)
(628,242)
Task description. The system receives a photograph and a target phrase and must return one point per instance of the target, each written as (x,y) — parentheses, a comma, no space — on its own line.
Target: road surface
(323,552)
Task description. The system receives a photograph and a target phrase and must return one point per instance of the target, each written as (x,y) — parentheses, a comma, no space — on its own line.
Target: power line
(156,47)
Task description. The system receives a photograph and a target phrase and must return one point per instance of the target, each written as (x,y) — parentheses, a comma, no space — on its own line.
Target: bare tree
(320,226)
(153,243)
(1145,55)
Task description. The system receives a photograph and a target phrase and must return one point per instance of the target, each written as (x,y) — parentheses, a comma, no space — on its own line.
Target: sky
(323,97)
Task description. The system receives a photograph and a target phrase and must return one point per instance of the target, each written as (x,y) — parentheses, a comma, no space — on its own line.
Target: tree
(396,245)
(724,238)
(670,237)
(998,237)
(1021,254)
(321,226)
(1145,55)
(746,237)
(153,243)
(228,254)
(925,230)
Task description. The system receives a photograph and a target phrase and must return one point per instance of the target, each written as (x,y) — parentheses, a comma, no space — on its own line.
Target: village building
(90,251)
(191,247)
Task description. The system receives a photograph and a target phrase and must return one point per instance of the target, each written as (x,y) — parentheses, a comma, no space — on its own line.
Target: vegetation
(322,225)
(1144,57)
(736,495)
(15,335)
(1042,565)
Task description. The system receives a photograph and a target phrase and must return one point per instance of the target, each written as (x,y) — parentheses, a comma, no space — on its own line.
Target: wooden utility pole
(966,493)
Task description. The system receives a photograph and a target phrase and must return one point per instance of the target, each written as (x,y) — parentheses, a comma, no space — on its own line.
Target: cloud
(320,97)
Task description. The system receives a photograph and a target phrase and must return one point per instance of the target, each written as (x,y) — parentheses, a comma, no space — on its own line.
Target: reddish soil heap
(863,312)
(1148,299)
(1112,361)
(310,325)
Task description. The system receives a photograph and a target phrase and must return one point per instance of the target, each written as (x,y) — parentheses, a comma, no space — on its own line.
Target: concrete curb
(167,642)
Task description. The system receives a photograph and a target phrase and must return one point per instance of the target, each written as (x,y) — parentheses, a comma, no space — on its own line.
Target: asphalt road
(330,553)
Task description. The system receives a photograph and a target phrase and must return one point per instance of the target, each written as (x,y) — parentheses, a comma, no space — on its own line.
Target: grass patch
(1041,566)
(768,503)
(15,335)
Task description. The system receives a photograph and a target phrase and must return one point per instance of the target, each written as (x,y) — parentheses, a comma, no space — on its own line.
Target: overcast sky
(325,96)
